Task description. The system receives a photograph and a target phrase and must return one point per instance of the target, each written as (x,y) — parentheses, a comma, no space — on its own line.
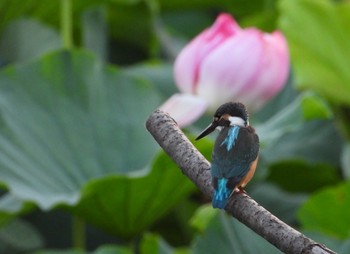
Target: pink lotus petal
(187,64)
(184,108)
(279,55)
(231,68)
(273,72)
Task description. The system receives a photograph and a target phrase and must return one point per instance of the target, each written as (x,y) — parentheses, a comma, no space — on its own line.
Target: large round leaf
(226,235)
(18,44)
(327,211)
(68,119)
(127,205)
(318,36)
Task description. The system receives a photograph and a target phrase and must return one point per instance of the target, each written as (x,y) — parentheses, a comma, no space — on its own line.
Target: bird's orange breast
(245,180)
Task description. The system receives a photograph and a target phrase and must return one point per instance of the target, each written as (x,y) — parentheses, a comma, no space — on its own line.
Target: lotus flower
(227,63)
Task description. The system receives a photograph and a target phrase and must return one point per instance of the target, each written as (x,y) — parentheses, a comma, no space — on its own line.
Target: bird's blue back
(234,151)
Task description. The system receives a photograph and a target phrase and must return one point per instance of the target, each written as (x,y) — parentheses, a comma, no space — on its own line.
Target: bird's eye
(216,118)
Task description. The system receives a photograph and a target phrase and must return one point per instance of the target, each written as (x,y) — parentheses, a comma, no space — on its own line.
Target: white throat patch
(234,120)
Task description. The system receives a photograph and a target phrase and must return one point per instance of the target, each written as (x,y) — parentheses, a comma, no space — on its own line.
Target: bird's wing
(234,163)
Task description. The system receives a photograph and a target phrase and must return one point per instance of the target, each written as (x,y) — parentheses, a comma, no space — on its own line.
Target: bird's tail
(221,194)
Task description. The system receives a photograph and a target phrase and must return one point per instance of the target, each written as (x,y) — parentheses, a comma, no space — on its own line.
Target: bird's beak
(208,130)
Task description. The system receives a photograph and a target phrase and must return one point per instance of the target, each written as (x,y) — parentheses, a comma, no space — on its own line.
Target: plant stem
(135,245)
(66,23)
(78,233)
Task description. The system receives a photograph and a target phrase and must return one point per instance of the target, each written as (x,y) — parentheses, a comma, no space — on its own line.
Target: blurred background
(79,172)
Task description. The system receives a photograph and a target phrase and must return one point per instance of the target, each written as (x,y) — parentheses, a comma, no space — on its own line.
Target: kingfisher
(235,152)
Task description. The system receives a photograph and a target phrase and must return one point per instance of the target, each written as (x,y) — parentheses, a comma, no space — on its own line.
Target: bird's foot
(240,190)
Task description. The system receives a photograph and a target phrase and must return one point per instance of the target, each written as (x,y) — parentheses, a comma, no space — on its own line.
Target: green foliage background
(80,174)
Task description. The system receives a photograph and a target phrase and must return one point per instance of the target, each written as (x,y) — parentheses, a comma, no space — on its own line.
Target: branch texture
(192,163)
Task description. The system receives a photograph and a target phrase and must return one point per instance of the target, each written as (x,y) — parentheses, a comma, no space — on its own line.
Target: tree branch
(192,163)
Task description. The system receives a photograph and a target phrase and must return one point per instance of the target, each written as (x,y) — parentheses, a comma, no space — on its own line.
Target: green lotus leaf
(232,236)
(327,211)
(127,205)
(317,33)
(18,44)
(68,119)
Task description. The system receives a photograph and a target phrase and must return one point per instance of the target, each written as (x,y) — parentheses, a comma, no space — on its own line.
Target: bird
(235,152)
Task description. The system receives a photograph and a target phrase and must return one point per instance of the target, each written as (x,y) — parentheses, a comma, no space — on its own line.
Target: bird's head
(228,114)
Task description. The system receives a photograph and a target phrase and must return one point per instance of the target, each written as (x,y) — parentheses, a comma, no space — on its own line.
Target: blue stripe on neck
(231,137)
